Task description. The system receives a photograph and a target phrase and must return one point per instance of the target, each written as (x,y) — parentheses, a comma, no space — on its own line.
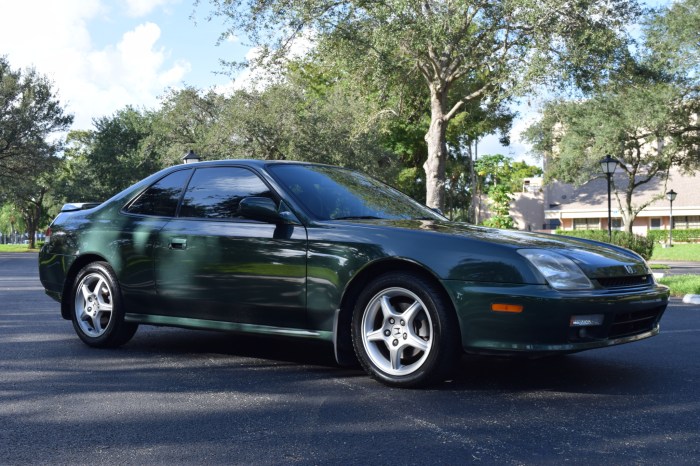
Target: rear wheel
(404,331)
(96,308)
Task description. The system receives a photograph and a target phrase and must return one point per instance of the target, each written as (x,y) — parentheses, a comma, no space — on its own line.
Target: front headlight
(559,271)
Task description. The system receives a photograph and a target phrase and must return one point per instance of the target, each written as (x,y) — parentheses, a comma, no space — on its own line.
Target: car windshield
(331,193)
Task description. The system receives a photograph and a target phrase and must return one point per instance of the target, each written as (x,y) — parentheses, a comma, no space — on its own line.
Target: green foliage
(101,162)
(192,119)
(500,196)
(464,53)
(30,114)
(645,116)
(642,245)
(682,285)
(691,235)
(679,252)
(673,32)
(500,177)
(410,182)
(17,248)
(11,219)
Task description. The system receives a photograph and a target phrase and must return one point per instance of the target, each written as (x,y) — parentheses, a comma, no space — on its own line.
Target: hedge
(644,246)
(682,236)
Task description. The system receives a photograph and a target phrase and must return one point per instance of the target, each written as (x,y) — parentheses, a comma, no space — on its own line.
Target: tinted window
(161,198)
(216,192)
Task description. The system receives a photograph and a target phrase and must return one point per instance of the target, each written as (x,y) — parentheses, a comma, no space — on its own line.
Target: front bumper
(544,324)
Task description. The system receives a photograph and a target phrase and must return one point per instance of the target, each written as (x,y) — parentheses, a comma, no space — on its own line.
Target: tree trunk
(626,211)
(437,151)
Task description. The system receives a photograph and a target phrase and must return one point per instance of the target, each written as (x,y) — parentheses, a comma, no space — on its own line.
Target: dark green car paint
(299,277)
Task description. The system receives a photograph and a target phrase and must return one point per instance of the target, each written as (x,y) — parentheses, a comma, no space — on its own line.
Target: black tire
(96,309)
(404,331)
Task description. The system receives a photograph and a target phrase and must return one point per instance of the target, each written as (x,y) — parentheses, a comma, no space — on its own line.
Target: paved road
(679,267)
(181,397)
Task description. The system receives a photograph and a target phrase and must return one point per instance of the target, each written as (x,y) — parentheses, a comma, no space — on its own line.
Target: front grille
(632,323)
(626,282)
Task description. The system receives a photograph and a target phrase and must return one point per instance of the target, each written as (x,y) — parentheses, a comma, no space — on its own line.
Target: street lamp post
(608,165)
(671,196)
(190,157)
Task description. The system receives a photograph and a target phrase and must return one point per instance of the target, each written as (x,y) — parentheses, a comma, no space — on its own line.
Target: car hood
(595,259)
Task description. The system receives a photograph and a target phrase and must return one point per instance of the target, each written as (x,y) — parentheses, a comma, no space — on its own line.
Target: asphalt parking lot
(175,396)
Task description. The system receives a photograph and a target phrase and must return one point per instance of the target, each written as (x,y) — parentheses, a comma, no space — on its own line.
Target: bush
(644,246)
(682,236)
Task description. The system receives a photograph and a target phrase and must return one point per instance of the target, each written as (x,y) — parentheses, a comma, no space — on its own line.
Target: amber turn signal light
(499,307)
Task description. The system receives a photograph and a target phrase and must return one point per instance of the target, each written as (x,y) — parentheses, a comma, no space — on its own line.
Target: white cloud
(139,8)
(259,77)
(54,38)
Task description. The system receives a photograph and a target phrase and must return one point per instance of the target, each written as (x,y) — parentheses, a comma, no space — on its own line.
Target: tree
(673,31)
(500,178)
(30,117)
(294,120)
(101,162)
(30,197)
(11,220)
(192,119)
(463,134)
(646,117)
(463,50)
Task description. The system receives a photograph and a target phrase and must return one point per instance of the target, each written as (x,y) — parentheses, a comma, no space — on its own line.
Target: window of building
(586,224)
(552,224)
(162,197)
(685,222)
(655,224)
(616,223)
(215,192)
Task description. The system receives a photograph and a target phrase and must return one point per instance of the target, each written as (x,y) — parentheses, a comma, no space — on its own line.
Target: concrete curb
(691,299)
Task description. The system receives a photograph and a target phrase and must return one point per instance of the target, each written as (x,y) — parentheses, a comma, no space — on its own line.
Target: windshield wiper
(358,217)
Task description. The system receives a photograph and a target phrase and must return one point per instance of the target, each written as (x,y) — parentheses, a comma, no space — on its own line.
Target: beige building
(557,205)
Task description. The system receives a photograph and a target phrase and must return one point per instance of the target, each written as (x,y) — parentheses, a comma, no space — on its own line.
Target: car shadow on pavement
(584,372)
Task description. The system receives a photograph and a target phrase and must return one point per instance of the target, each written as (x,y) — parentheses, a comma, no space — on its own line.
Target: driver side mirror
(265,209)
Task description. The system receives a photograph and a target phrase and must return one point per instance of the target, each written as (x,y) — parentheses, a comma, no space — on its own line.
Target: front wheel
(404,331)
(96,308)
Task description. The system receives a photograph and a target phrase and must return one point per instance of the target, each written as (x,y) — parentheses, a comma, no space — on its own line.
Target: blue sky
(105,54)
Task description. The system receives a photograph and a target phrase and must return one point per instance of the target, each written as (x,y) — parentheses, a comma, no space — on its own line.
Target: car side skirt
(203,324)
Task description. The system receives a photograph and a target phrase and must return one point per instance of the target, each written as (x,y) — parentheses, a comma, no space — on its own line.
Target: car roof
(250,162)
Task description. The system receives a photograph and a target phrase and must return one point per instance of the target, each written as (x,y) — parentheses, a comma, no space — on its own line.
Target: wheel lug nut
(403,322)
(405,336)
(387,332)
(396,342)
(391,320)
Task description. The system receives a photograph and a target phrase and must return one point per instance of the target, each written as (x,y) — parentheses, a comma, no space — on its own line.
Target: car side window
(215,192)
(161,198)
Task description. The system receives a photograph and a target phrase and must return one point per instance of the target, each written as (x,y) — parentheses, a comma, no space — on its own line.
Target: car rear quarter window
(161,198)
(216,192)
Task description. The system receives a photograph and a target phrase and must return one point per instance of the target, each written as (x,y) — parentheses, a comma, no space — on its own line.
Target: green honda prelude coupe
(314,251)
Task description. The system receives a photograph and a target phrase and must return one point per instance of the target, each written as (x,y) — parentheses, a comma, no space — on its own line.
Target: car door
(213,264)
(133,234)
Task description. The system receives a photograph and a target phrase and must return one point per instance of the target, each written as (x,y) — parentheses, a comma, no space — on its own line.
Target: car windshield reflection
(331,193)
